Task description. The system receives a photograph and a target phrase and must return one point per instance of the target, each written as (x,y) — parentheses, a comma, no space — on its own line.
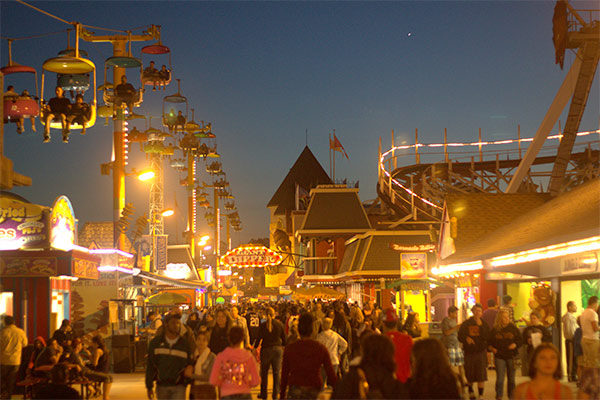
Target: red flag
(336,145)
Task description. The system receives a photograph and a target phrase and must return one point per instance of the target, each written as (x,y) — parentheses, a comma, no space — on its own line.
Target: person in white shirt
(335,344)
(238,320)
(12,341)
(569,323)
(590,341)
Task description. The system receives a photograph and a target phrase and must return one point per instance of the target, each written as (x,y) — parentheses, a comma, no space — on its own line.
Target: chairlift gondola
(69,65)
(73,83)
(108,88)
(175,110)
(17,108)
(161,77)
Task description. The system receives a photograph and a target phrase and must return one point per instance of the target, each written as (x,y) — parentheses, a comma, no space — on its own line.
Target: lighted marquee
(62,223)
(22,224)
(251,256)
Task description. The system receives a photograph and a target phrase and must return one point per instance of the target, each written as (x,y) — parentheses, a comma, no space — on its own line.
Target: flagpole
(330,173)
(334,158)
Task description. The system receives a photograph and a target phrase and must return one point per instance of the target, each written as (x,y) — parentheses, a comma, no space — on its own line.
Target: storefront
(38,262)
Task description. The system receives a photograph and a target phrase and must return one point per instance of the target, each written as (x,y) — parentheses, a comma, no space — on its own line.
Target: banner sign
(251,256)
(22,224)
(160,256)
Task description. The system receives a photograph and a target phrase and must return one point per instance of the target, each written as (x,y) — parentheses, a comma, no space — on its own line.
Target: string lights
(437,145)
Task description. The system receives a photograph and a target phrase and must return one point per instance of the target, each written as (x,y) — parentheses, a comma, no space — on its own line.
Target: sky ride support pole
(217,234)
(191,179)
(119,49)
(118,164)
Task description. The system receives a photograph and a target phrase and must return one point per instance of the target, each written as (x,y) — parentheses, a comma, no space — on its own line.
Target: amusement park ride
(415,193)
(195,141)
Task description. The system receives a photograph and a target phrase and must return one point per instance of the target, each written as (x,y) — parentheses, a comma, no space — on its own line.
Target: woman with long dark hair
(545,373)
(218,336)
(432,375)
(411,325)
(373,377)
(100,362)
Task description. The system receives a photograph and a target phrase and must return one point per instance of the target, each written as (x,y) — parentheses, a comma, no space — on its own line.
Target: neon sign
(251,256)
(22,224)
(62,223)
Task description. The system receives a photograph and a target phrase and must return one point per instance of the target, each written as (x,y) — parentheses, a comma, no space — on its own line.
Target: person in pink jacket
(235,372)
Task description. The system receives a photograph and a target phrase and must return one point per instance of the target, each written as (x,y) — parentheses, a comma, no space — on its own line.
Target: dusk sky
(265,73)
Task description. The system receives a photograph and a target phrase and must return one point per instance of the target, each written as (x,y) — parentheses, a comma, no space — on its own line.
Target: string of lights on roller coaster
(412,146)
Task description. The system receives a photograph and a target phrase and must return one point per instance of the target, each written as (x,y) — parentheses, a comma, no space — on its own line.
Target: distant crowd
(331,347)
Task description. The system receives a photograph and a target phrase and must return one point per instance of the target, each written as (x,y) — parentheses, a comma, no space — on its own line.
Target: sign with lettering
(22,224)
(583,263)
(251,256)
(412,247)
(160,254)
(85,268)
(28,266)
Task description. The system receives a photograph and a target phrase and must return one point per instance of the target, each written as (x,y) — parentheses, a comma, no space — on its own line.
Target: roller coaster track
(417,191)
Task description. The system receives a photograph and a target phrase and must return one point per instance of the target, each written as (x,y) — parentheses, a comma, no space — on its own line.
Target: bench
(28,384)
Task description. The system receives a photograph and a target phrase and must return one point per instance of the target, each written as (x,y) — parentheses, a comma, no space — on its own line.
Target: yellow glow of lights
(168,212)
(448,269)
(146,175)
(589,261)
(544,253)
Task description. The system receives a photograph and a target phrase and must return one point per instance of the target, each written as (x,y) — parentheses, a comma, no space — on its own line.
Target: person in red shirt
(402,343)
(302,361)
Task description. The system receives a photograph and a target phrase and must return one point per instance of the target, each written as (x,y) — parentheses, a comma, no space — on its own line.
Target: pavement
(132,387)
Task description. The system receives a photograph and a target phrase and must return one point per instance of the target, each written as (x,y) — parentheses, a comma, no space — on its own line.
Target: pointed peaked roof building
(307,173)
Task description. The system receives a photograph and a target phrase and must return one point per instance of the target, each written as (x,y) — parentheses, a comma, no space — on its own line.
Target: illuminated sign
(22,224)
(413,247)
(413,265)
(251,256)
(85,269)
(28,266)
(62,224)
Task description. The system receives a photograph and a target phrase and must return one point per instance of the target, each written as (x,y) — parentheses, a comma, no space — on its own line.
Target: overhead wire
(35,36)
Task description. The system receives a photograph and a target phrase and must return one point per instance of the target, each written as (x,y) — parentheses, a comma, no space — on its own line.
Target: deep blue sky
(265,72)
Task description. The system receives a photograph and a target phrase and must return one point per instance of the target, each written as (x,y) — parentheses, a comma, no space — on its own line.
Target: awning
(174,282)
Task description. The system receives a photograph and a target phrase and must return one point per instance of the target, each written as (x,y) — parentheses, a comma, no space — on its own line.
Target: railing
(419,187)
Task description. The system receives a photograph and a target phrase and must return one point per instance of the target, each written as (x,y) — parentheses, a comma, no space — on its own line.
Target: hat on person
(390,315)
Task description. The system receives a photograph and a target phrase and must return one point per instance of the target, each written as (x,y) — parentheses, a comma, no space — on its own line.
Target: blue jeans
(176,392)
(270,357)
(502,367)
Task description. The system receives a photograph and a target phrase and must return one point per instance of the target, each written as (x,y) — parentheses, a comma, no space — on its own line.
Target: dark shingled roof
(306,172)
(374,252)
(335,208)
(478,214)
(571,216)
(101,233)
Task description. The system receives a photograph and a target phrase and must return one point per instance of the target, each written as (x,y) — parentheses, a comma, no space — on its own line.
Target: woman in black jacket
(504,341)
(373,377)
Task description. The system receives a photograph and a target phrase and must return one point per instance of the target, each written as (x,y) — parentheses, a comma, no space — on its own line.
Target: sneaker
(154,89)
(20,130)
(33,128)
(46,138)
(65,139)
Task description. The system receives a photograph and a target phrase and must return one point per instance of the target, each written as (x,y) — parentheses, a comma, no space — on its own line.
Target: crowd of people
(352,352)
(356,353)
(54,363)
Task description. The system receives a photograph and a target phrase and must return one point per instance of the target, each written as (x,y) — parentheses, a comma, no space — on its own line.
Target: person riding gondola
(80,113)
(151,74)
(164,75)
(58,109)
(125,93)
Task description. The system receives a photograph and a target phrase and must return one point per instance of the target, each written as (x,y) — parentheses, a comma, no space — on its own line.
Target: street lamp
(167,212)
(146,175)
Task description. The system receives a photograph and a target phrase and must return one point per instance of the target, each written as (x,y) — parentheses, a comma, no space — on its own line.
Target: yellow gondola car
(69,65)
